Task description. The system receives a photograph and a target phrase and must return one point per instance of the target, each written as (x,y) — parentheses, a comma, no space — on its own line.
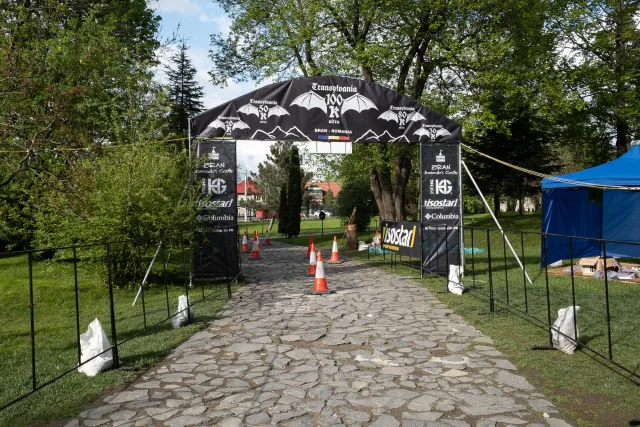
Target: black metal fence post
(573,292)
(165,261)
(229,280)
(31,315)
(429,249)
(491,303)
(186,279)
(75,282)
(504,254)
(112,310)
(421,251)
(606,299)
(473,258)
(140,278)
(524,274)
(546,279)
(446,256)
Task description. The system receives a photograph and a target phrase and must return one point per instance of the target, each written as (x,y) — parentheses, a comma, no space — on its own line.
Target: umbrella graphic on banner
(415,116)
(358,103)
(442,132)
(310,100)
(389,116)
(277,111)
(422,132)
(249,109)
(217,124)
(240,125)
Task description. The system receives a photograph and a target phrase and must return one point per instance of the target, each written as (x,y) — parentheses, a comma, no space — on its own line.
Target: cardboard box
(592,264)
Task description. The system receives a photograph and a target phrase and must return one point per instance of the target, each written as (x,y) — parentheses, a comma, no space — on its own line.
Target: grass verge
(55,331)
(307,226)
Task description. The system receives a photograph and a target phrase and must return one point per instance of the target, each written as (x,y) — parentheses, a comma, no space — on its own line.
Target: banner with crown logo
(441,206)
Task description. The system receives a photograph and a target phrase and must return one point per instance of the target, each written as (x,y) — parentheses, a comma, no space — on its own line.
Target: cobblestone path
(380,352)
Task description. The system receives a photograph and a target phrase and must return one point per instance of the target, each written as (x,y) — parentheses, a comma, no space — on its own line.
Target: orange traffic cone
(245,244)
(256,237)
(310,243)
(255,252)
(320,284)
(267,241)
(246,233)
(312,261)
(335,257)
(377,239)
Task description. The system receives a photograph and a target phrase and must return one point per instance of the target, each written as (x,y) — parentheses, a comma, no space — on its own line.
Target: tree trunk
(496,204)
(403,170)
(390,196)
(622,136)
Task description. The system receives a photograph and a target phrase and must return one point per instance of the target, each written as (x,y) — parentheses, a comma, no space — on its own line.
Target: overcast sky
(198,19)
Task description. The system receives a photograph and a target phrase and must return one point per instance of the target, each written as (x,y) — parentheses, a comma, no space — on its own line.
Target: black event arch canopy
(328,109)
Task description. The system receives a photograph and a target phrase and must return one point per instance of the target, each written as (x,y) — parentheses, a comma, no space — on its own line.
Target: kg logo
(443,186)
(217,186)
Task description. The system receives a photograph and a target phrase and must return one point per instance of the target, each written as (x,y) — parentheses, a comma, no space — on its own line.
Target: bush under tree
(357,194)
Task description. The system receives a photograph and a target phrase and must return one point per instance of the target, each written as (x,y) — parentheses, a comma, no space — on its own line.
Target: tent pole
(496,221)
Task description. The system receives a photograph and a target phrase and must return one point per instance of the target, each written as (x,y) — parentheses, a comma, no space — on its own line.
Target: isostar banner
(326,109)
(216,253)
(441,206)
(401,237)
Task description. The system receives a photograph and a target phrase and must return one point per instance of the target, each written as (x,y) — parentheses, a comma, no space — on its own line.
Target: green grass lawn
(307,226)
(55,331)
(582,385)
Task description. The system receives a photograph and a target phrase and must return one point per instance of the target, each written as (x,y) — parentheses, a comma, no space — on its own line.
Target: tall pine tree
(184,92)
(295,193)
(283,212)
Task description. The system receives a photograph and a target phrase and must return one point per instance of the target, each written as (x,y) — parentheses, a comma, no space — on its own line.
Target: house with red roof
(252,193)
(318,190)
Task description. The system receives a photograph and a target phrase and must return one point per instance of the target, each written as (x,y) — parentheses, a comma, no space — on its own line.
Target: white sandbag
(181,317)
(564,324)
(362,246)
(556,264)
(455,281)
(92,343)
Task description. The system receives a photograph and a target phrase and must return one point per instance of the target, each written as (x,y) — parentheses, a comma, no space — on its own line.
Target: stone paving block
(381,351)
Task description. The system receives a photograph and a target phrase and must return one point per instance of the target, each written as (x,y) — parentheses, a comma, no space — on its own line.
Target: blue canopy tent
(577,204)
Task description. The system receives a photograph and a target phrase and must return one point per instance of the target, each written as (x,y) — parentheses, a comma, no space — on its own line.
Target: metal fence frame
(115,343)
(470,270)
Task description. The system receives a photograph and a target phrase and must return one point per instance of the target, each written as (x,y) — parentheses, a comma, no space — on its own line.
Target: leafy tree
(273,173)
(184,92)
(283,212)
(515,103)
(131,192)
(602,54)
(329,199)
(65,70)
(356,194)
(294,197)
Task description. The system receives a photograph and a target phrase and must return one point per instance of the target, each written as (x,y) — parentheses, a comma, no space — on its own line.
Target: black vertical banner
(216,254)
(441,206)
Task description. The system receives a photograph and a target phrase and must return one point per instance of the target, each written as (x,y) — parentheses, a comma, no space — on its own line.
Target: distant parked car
(327,212)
